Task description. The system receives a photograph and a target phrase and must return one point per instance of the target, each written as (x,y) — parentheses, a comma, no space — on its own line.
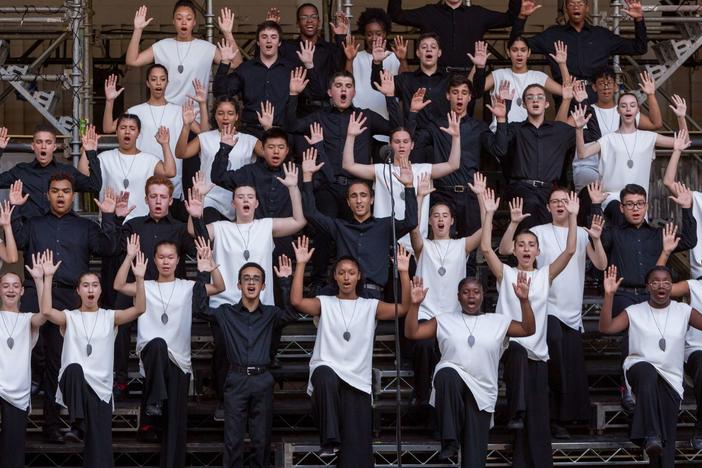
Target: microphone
(386,153)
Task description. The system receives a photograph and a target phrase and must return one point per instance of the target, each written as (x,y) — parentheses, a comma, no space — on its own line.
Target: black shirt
(458,28)
(73,240)
(368,242)
(588,50)
(151,232)
(634,251)
(247,334)
(35,180)
(328,59)
(538,153)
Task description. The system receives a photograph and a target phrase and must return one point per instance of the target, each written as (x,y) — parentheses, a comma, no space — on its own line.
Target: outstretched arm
(57,317)
(134,57)
(120,284)
(288,226)
(527,326)
(491,257)
(413,329)
(386,311)
(303,254)
(132,313)
(608,324)
(356,127)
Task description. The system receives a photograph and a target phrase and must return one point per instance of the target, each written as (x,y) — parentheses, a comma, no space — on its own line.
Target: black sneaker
(74,435)
(219,412)
(448,451)
(627,400)
(516,424)
(328,451)
(653,447)
(559,432)
(54,436)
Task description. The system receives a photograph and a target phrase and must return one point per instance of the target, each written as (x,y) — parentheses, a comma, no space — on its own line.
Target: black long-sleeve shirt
(35,180)
(328,59)
(369,241)
(458,28)
(634,251)
(247,334)
(588,50)
(73,240)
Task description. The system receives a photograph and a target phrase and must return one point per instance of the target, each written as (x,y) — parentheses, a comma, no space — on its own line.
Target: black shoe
(696,440)
(74,435)
(627,401)
(54,436)
(219,412)
(328,451)
(448,451)
(653,447)
(154,410)
(516,424)
(148,434)
(559,432)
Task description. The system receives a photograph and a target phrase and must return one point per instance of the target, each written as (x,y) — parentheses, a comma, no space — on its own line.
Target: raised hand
(284,267)
(682,140)
(6,210)
(399,47)
(479,184)
(481,54)
(205,259)
(303,253)
(356,124)
(579,117)
(498,107)
(516,215)
(139,265)
(111,91)
(16,197)
(454,125)
(163,136)
(188,113)
(36,270)
(108,203)
(4,138)
(47,263)
(90,139)
(567,89)
(683,196)
(595,231)
(679,106)
(387,83)
(201,184)
(316,134)
(306,53)
(561,52)
(122,208)
(379,50)
(266,116)
(597,196)
(418,292)
(290,170)
(200,92)
(195,203)
(418,103)
(670,238)
(351,48)
(634,9)
(133,245)
(573,204)
(504,91)
(227,51)
(528,8)
(425,184)
(225,20)
(309,161)
(340,25)
(227,134)
(403,258)
(298,80)
(273,14)
(611,283)
(521,287)
(647,83)
(404,175)
(140,21)
(489,201)
(579,91)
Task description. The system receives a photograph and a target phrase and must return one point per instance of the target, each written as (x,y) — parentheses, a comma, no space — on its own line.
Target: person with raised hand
(341,364)
(85,376)
(8,246)
(525,360)
(657,331)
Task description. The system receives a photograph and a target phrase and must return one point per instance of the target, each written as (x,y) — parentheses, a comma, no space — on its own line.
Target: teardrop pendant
(247,254)
(630,163)
(125,182)
(661,344)
(402,195)
(89,349)
(180,68)
(164,318)
(441,271)
(347,335)
(471,341)
(10,342)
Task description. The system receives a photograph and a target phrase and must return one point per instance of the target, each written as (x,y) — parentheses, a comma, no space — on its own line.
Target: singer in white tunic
(85,377)
(340,368)
(401,145)
(526,371)
(163,338)
(18,335)
(568,386)
(654,367)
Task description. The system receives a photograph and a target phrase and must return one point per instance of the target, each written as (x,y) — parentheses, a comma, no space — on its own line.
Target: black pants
(460,420)
(331,201)
(166,384)
(123,341)
(13,431)
(247,399)
(693,368)
(656,412)
(92,415)
(567,377)
(52,344)
(425,356)
(535,201)
(344,417)
(526,382)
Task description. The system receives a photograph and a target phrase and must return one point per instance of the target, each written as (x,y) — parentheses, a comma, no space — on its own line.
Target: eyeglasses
(631,205)
(308,17)
(538,97)
(558,201)
(660,284)
(251,279)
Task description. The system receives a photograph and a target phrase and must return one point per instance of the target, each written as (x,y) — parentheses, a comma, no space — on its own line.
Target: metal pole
(87,88)
(75,8)
(209,22)
(23,10)
(616,15)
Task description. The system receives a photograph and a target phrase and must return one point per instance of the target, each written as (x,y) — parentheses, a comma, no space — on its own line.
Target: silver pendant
(630,163)
(10,342)
(125,182)
(518,101)
(164,318)
(471,340)
(661,344)
(441,271)
(247,254)
(180,68)
(347,335)
(402,195)
(89,349)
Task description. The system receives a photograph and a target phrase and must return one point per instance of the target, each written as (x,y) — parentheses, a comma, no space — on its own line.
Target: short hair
(557,188)
(425,36)
(470,279)
(274,132)
(60,176)
(305,5)
(632,189)
(269,25)
(44,127)
(252,265)
(165,242)
(374,15)
(658,268)
(458,79)
(219,100)
(604,72)
(341,74)
(243,186)
(128,116)
(158,180)
(185,4)
(518,38)
(529,232)
(623,95)
(153,67)
(359,182)
(533,85)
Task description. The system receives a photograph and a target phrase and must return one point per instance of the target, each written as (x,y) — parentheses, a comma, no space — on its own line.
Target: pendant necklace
(164,306)
(555,236)
(180,61)
(630,155)
(609,127)
(247,254)
(442,270)
(154,118)
(471,338)
(661,342)
(392,179)
(10,340)
(125,181)
(89,347)
(347,333)
(517,89)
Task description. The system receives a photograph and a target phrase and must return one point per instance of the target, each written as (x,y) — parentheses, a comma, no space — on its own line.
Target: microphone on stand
(386,154)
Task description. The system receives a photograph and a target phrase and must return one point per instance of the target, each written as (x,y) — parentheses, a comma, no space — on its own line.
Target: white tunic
(367,97)
(615,151)
(229,246)
(16,363)
(565,298)
(116,167)
(196,57)
(242,154)
(382,203)
(175,298)
(98,367)
(442,296)
(644,336)
(693,338)
(508,304)
(351,360)
(518,83)
(477,365)
(153,117)
(696,251)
